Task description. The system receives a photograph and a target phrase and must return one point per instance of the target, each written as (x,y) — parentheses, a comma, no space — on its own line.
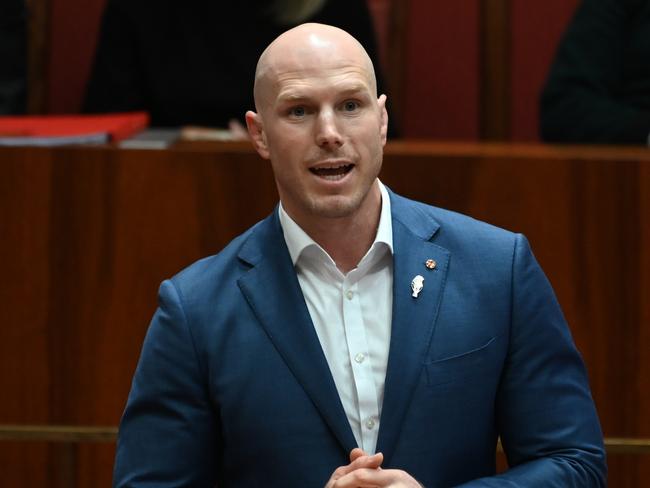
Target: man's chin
(335,207)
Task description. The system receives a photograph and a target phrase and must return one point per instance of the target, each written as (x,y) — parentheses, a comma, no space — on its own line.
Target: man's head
(319,121)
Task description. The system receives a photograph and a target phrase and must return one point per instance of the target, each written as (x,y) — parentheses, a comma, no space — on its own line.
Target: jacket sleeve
(168,434)
(546,417)
(585,98)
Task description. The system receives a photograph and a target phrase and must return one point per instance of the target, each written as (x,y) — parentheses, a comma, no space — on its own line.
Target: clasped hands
(365,471)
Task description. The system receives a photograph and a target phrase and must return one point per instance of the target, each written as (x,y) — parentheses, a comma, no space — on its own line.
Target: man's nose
(328,133)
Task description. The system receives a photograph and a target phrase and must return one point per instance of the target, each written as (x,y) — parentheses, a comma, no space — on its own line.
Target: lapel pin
(416,285)
(431,264)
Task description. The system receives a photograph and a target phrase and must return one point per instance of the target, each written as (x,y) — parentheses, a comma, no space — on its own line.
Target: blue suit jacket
(233,388)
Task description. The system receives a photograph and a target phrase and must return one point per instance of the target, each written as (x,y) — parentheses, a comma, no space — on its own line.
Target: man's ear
(383,113)
(257,134)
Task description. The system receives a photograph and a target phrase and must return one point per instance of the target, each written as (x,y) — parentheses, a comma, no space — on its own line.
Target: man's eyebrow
(342,91)
(292,97)
(353,89)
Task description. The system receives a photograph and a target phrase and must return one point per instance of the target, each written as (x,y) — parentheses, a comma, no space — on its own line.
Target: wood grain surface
(87,234)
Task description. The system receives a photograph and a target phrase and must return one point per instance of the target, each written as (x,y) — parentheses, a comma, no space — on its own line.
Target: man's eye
(297,112)
(350,106)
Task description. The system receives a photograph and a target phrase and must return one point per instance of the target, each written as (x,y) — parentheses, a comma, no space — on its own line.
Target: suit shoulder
(449,225)
(471,228)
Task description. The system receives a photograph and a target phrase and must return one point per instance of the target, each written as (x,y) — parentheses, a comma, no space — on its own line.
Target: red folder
(71,128)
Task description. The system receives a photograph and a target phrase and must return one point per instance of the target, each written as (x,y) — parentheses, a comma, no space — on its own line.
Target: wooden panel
(24,382)
(89,233)
(643,384)
(94,232)
(495,70)
(395,67)
(73,31)
(37,53)
(441,97)
(536,28)
(380,11)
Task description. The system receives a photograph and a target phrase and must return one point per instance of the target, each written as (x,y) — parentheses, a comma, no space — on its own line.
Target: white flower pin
(416,285)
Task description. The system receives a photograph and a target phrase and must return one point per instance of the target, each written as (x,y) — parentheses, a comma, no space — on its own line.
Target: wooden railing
(77,434)
(57,433)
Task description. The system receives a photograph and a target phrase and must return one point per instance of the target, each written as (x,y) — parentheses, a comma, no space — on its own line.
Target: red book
(46,130)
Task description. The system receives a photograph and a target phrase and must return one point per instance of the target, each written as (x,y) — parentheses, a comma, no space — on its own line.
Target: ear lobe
(256,132)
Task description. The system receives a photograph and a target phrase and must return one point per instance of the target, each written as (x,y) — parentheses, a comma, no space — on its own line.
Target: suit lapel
(271,288)
(413,319)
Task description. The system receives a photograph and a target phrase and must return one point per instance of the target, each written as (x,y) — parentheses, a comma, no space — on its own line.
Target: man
(354,338)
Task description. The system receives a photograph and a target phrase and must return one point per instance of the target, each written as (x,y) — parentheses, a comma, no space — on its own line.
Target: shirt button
(370,423)
(359,358)
(349,294)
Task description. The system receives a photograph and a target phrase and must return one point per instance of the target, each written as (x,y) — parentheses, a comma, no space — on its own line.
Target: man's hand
(365,471)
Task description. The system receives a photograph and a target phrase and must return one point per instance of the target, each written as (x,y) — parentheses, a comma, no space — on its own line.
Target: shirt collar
(297,239)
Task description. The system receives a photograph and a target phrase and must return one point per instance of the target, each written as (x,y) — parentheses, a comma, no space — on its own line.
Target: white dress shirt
(352,317)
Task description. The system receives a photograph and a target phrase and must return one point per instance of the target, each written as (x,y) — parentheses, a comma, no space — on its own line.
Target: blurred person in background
(193,62)
(598,88)
(13,55)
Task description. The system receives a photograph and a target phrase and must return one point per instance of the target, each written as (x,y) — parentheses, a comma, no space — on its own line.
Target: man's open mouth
(332,173)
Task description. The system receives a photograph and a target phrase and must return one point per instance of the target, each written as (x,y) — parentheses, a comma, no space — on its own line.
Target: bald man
(354,338)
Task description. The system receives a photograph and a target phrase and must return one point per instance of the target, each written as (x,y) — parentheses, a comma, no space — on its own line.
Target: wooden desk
(87,234)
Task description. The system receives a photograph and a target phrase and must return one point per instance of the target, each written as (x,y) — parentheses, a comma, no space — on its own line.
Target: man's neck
(347,239)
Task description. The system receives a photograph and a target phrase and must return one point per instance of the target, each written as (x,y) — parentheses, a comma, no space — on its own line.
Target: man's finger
(357,453)
(364,461)
(361,461)
(377,478)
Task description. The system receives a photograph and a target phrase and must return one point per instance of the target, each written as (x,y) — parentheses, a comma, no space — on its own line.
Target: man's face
(324,130)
